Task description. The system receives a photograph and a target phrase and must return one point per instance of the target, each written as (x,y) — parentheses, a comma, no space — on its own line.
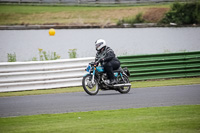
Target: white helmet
(100,43)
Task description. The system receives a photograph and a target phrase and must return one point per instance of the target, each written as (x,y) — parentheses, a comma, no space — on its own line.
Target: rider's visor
(98,45)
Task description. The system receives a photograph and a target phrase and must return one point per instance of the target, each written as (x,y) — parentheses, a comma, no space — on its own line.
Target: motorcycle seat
(118,70)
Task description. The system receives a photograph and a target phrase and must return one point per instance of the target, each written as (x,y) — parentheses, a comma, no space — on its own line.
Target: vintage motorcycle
(97,79)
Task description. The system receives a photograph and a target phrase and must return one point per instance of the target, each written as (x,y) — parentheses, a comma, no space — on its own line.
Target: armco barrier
(18,76)
(169,65)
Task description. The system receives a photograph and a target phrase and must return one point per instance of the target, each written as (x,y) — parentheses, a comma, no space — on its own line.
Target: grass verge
(138,84)
(75,15)
(179,119)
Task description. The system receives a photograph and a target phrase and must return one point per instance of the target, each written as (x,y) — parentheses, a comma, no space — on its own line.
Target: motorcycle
(97,79)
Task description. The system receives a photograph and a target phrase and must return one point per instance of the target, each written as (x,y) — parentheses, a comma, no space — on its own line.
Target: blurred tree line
(183,13)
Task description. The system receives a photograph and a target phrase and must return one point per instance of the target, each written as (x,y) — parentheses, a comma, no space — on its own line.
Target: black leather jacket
(108,55)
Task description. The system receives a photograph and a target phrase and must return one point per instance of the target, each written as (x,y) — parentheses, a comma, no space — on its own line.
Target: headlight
(88,68)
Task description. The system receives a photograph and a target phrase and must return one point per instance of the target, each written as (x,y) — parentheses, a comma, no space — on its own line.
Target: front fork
(93,77)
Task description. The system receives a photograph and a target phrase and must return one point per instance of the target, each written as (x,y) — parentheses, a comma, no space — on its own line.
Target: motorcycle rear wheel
(89,87)
(126,89)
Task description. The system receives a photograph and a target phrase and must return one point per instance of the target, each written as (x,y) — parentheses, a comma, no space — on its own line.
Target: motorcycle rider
(107,59)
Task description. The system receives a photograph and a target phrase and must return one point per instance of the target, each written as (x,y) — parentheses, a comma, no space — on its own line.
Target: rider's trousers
(109,67)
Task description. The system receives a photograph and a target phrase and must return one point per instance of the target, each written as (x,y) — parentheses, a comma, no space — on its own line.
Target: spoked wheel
(124,89)
(89,87)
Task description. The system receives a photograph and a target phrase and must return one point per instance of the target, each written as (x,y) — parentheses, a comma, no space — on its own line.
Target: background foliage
(183,13)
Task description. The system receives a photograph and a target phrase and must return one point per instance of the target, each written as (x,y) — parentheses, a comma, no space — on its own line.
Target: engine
(105,80)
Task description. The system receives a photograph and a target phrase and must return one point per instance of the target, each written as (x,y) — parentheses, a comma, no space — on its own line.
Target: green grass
(138,84)
(27,9)
(166,82)
(38,9)
(68,15)
(174,119)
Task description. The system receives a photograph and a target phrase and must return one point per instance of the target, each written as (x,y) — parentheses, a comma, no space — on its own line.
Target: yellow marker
(52,32)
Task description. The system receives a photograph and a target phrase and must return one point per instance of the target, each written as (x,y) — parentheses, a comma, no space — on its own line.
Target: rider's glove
(96,64)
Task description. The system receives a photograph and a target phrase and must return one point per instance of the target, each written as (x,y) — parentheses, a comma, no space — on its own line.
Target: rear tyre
(89,87)
(124,89)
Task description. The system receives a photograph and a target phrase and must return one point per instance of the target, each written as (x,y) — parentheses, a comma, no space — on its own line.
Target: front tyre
(124,89)
(89,87)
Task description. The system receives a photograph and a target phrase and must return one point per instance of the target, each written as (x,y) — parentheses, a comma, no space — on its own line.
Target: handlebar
(95,63)
(98,60)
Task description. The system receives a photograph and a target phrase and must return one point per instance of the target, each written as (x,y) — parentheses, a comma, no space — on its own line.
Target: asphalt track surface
(104,100)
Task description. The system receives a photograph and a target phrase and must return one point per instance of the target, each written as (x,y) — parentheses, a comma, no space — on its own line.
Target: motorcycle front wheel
(89,87)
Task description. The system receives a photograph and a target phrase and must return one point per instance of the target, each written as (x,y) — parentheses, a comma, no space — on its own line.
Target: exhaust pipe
(122,85)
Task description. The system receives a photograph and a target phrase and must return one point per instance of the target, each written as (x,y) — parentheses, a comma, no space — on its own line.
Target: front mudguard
(87,74)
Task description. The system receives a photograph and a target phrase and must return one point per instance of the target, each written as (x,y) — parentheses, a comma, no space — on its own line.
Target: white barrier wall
(18,76)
